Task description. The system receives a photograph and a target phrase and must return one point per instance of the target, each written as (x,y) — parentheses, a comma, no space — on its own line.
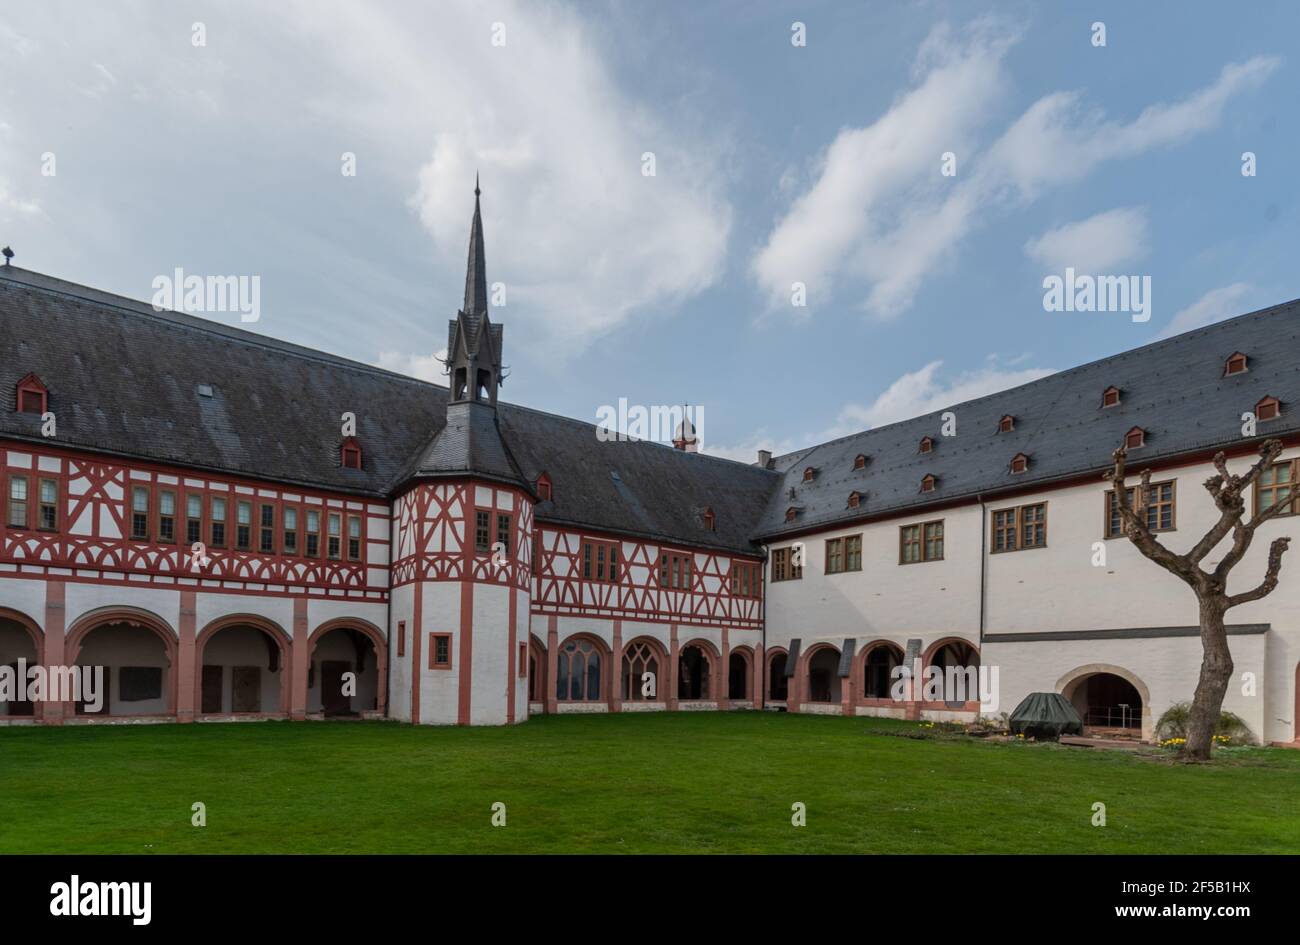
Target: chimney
(764,459)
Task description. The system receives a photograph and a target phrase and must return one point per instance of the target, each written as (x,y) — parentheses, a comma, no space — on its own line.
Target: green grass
(635,783)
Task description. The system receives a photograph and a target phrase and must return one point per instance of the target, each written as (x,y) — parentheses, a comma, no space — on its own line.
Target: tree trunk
(1216,673)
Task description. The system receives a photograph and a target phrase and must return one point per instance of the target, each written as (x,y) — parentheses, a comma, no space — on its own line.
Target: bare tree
(1210,587)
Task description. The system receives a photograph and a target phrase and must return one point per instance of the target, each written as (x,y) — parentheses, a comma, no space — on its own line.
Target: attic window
(544,487)
(1110,397)
(928,483)
(855,499)
(350,454)
(809,474)
(1135,438)
(1007,424)
(791,514)
(710,520)
(1019,463)
(1236,364)
(859,462)
(927,445)
(32,396)
(1270,408)
(204,390)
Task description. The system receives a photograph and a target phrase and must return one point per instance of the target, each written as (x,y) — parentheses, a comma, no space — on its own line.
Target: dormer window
(32,395)
(791,513)
(350,454)
(928,483)
(810,473)
(1135,438)
(710,520)
(1019,463)
(1236,364)
(1110,397)
(1006,424)
(859,462)
(1270,408)
(927,445)
(855,499)
(544,488)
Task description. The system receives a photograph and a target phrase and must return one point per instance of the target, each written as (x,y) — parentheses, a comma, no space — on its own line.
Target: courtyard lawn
(629,783)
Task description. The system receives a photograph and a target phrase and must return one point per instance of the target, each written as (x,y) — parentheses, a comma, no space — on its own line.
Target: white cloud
(573,228)
(913,394)
(870,176)
(1213,306)
(426,367)
(880,214)
(1097,245)
(582,241)
(923,391)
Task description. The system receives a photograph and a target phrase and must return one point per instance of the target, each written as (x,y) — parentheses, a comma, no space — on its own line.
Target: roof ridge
(1159,342)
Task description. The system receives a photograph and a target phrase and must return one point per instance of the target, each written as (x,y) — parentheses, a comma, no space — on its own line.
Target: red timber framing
(97,508)
(560,588)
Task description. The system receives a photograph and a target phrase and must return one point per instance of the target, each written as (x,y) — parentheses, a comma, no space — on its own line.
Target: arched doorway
(1107,703)
(347,673)
(137,651)
(879,662)
(580,671)
(694,673)
(244,667)
(739,674)
(641,673)
(778,689)
(824,674)
(20,649)
(957,682)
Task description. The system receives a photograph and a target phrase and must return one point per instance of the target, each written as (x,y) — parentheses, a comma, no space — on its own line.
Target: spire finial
(475,272)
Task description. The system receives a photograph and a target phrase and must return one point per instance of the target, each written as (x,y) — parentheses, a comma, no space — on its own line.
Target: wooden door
(246,689)
(210,700)
(332,699)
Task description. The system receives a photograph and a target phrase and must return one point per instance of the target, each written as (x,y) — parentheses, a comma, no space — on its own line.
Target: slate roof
(1174,389)
(124,380)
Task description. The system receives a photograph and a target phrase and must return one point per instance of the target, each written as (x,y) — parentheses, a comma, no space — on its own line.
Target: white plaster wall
(522,600)
(440,688)
(490,665)
(209,607)
(26,597)
(1163,664)
(597,627)
(885,600)
(401,606)
(81,599)
(323,611)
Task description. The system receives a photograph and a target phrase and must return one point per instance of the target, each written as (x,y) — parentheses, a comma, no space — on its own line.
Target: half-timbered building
(238,527)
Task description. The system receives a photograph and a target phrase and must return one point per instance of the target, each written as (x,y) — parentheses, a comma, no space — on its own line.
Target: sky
(657,179)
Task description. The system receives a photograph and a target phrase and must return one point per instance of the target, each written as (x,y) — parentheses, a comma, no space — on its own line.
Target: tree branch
(1275,553)
(1135,526)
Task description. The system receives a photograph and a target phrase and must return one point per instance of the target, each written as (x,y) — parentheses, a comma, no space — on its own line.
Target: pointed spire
(476,270)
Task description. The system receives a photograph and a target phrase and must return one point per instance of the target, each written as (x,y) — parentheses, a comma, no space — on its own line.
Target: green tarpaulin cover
(1046,715)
